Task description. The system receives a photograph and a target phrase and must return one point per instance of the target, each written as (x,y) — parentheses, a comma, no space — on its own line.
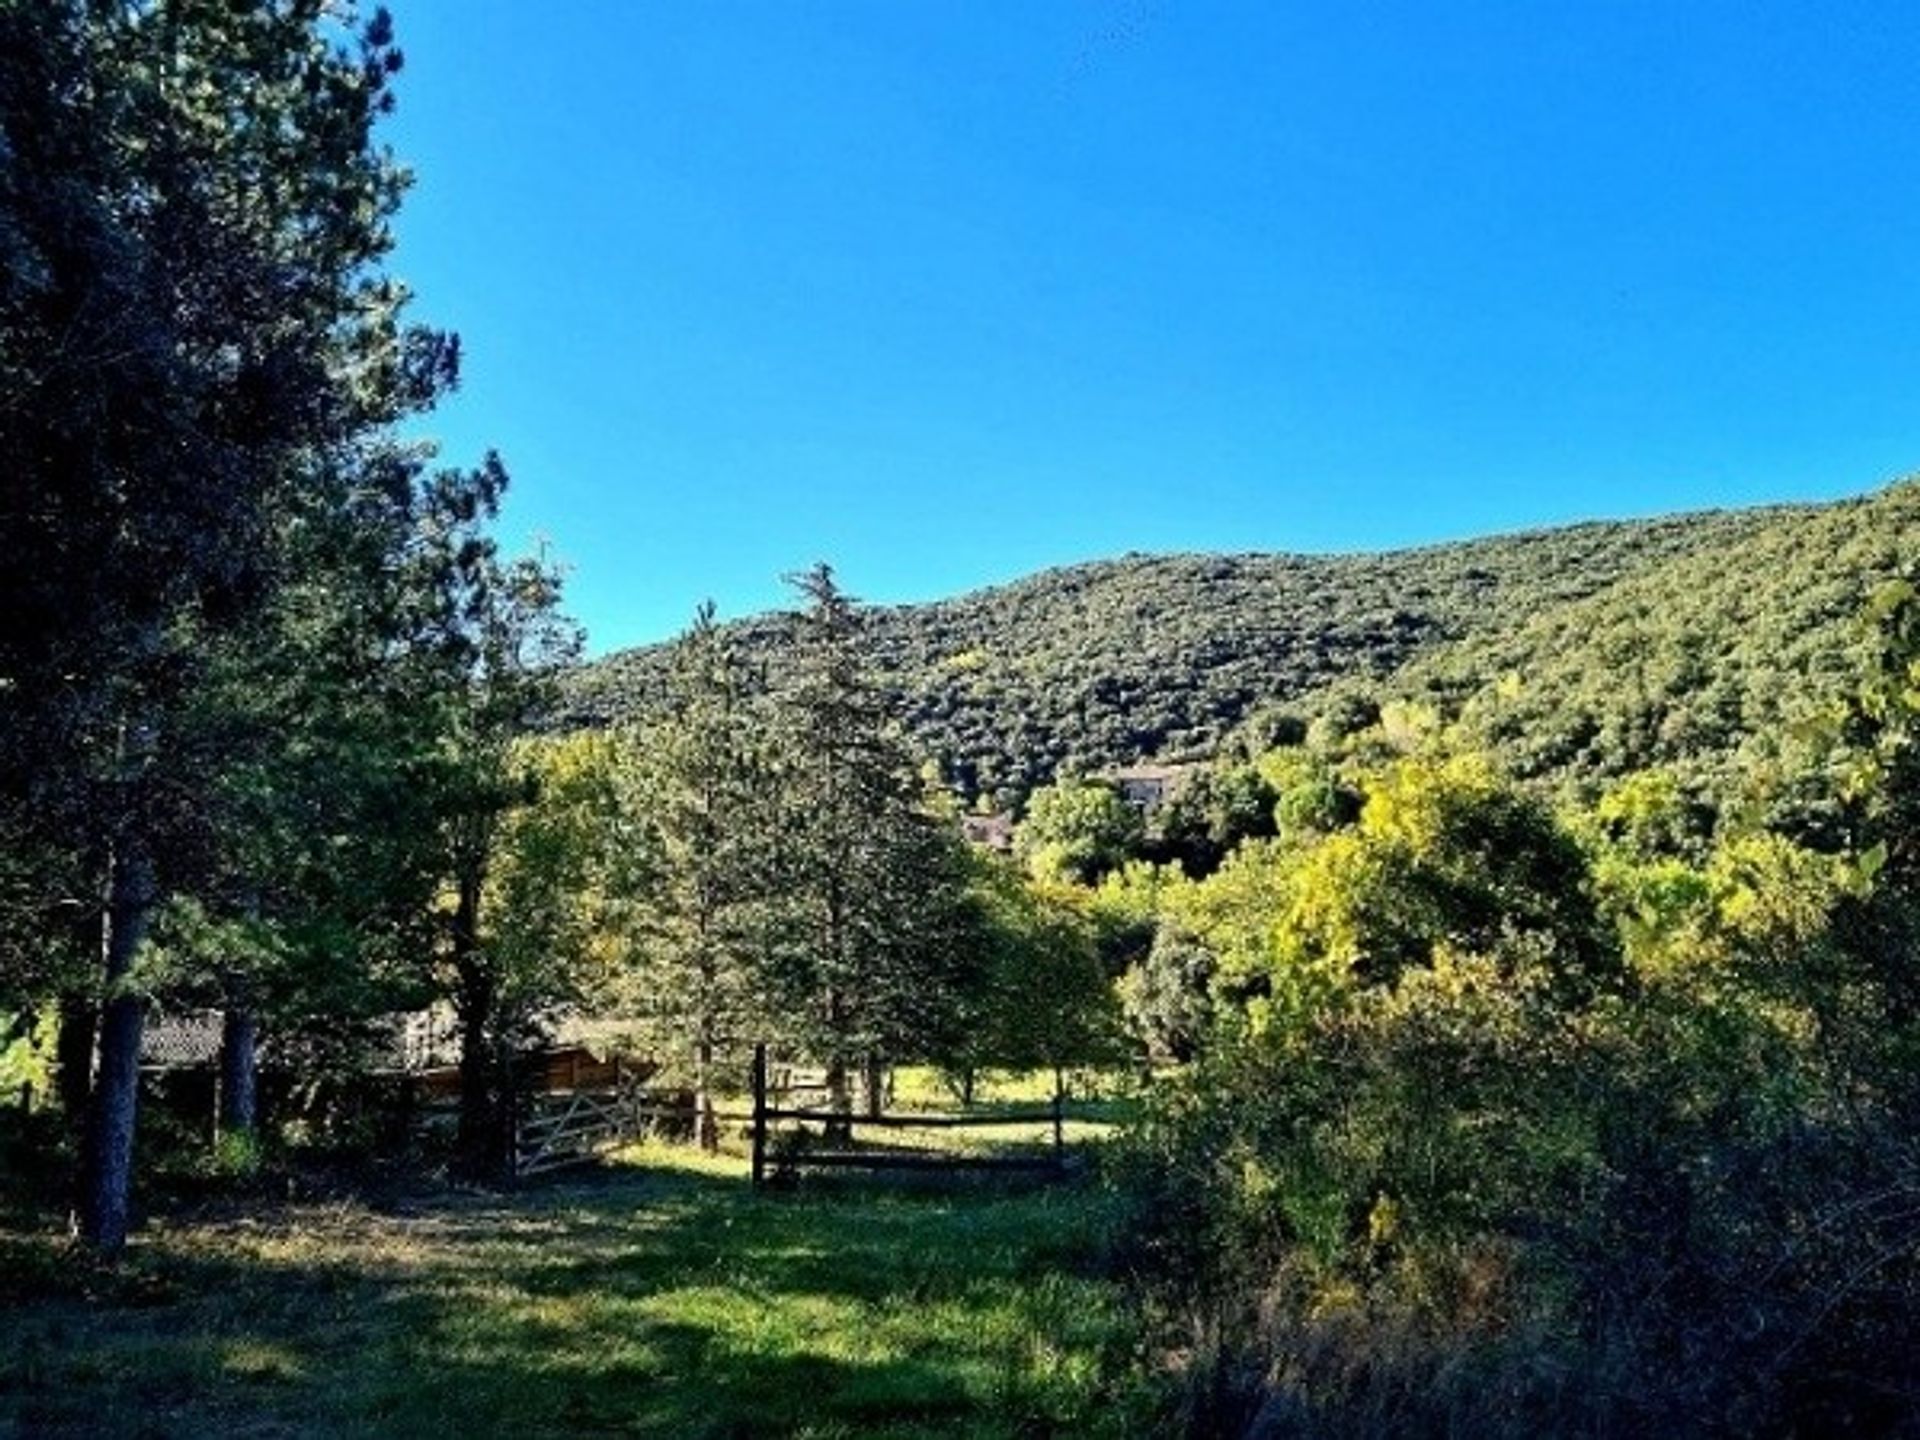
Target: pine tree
(321,725)
(871,880)
(196,340)
(504,640)
(699,797)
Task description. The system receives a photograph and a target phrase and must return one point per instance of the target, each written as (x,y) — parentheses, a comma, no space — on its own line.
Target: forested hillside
(1633,642)
(1702,663)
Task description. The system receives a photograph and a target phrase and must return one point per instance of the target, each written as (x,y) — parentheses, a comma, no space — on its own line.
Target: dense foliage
(1709,664)
(259,663)
(1179,657)
(1503,1118)
(789,877)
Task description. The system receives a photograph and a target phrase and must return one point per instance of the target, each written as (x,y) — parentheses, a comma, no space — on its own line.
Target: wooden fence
(847,1154)
(572,1126)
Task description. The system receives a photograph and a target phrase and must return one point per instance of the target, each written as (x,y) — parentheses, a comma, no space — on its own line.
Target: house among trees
(404,1041)
(1148,787)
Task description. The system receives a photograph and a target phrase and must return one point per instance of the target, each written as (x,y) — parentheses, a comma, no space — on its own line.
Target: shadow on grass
(643,1302)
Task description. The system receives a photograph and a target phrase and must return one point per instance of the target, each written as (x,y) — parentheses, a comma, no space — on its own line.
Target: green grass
(920,1087)
(660,1296)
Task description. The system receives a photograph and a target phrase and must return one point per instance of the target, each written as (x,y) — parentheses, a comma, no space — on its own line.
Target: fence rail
(925,1160)
(851,1156)
(574,1126)
(913,1122)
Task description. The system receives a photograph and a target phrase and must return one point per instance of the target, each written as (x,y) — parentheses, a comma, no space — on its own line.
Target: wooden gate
(571,1127)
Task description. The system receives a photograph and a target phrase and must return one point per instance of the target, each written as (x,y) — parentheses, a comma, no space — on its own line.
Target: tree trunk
(966,1087)
(479,1155)
(480,1151)
(839,1127)
(239,1067)
(705,1124)
(876,1081)
(79,1018)
(107,1176)
(839,1124)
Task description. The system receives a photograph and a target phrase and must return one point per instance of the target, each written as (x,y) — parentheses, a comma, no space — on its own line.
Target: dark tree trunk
(705,1124)
(108,1172)
(967,1076)
(478,1140)
(839,1128)
(876,1083)
(839,1124)
(79,1019)
(239,1067)
(481,1154)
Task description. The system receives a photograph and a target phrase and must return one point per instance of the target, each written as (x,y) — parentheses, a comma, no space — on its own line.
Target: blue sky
(947,292)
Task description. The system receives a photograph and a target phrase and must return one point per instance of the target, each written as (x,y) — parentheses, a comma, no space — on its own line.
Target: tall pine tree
(700,794)
(870,879)
(197,340)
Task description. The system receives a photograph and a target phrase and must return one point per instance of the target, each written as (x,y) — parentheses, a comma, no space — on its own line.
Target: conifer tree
(504,640)
(197,340)
(871,880)
(700,793)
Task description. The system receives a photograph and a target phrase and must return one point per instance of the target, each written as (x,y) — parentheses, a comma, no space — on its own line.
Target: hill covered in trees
(1589,649)
(1704,663)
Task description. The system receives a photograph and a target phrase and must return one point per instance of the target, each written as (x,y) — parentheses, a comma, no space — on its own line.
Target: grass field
(656,1296)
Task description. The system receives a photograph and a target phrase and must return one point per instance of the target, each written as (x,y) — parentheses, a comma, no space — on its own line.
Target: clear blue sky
(947,292)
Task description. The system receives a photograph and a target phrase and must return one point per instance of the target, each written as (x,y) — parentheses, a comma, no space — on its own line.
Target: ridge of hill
(1713,618)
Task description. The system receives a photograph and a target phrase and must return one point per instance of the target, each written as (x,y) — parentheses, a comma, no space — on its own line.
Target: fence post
(759,1113)
(1059,1122)
(627,1119)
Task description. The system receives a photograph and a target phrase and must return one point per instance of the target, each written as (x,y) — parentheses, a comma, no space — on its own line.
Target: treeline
(1711,623)
(262,664)
(769,863)
(1103,664)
